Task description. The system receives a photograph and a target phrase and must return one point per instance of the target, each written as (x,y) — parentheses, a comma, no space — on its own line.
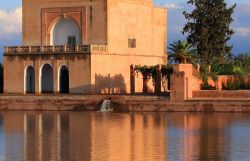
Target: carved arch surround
(49,17)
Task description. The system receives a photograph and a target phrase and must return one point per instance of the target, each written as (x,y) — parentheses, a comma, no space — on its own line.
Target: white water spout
(106,106)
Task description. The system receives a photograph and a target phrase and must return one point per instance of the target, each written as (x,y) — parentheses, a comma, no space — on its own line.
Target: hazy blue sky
(10,22)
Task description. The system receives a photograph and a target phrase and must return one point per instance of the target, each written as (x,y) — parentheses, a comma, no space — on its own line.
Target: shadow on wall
(86,89)
(110,85)
(103,85)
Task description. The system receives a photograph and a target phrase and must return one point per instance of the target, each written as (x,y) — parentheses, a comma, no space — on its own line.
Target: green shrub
(238,83)
(231,86)
(229,69)
(238,71)
(206,86)
(204,76)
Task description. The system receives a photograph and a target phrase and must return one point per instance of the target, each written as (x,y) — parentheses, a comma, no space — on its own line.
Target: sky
(11,22)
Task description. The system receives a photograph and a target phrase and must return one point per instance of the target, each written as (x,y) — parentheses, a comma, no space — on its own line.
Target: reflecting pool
(83,136)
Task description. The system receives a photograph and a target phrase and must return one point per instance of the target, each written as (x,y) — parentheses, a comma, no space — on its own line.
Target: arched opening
(47,80)
(65,32)
(63,79)
(30,80)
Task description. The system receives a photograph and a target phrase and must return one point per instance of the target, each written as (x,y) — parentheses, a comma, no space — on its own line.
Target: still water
(81,136)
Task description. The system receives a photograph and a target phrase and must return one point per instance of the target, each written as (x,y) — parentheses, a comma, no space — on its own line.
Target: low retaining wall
(51,102)
(122,104)
(206,105)
(221,94)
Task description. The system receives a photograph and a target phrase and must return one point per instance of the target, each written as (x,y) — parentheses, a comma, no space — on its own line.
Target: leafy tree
(239,65)
(208,29)
(243,60)
(181,52)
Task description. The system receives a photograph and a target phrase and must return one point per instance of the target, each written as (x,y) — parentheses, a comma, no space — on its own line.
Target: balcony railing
(55,49)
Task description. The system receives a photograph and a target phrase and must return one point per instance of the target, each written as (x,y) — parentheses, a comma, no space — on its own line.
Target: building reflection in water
(199,136)
(12,131)
(184,142)
(85,136)
(60,136)
(36,136)
(128,137)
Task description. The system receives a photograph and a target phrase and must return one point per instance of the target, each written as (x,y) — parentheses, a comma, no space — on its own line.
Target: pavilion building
(84,46)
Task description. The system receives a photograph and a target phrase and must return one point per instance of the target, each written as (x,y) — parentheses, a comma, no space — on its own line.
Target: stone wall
(52,102)
(186,85)
(110,73)
(120,103)
(161,104)
(221,94)
(78,66)
(45,12)
(108,22)
(181,82)
(139,20)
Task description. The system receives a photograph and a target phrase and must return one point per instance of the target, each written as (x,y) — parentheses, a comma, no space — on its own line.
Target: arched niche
(46,79)
(63,77)
(65,31)
(29,80)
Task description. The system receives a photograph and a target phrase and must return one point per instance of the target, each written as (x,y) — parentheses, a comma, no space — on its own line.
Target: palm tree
(182,52)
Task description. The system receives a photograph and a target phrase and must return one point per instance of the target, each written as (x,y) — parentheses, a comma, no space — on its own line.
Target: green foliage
(144,69)
(231,86)
(150,71)
(208,29)
(204,75)
(238,70)
(239,65)
(166,70)
(181,52)
(243,61)
(228,69)
(238,83)
(206,86)
(214,76)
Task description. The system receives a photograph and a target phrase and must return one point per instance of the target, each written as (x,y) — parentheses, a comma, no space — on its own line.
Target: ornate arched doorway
(63,79)
(29,80)
(65,32)
(46,78)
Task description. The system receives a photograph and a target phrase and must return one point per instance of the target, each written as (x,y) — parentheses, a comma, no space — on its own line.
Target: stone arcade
(84,46)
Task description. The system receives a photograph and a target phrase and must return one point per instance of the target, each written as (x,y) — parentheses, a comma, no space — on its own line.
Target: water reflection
(36,136)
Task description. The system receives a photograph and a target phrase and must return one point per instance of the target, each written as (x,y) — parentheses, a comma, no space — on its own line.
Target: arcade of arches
(46,79)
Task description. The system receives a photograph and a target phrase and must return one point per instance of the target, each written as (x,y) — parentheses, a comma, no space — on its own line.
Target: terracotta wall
(181,82)
(13,75)
(113,22)
(221,94)
(105,67)
(140,20)
(94,30)
(109,22)
(222,79)
(78,65)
